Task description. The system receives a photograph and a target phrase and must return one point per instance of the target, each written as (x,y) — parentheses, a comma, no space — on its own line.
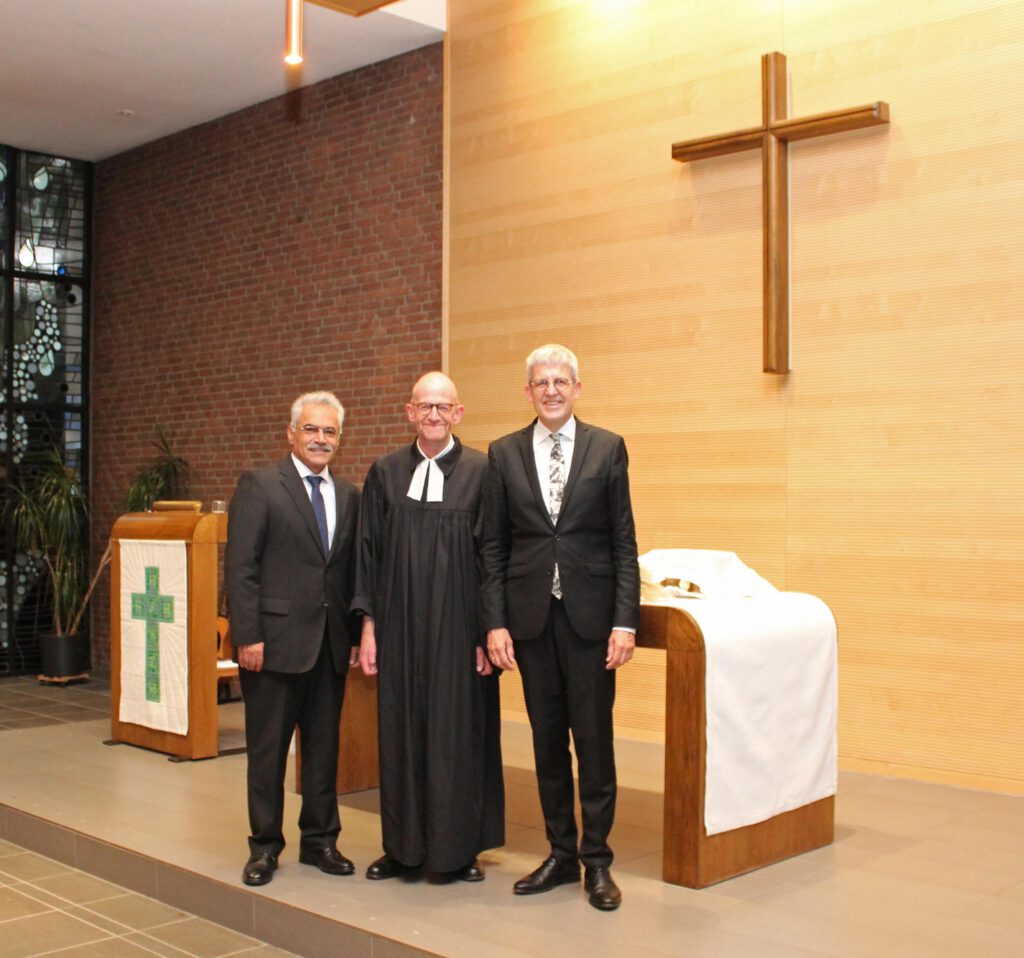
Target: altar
(750,715)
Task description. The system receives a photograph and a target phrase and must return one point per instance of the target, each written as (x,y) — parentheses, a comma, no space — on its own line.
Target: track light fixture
(293,32)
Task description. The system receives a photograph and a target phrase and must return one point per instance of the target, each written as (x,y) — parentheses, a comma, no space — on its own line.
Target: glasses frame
(560,383)
(444,409)
(329,432)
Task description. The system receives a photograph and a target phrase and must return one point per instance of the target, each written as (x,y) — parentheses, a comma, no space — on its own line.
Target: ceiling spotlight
(293,31)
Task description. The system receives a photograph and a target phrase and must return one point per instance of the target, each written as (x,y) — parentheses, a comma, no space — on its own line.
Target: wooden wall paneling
(884,475)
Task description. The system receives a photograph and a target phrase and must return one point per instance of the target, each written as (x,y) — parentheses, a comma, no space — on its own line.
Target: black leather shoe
(604,893)
(259,869)
(551,874)
(471,872)
(385,867)
(328,860)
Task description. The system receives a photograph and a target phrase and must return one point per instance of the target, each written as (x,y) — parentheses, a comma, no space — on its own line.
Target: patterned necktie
(556,477)
(556,488)
(319,509)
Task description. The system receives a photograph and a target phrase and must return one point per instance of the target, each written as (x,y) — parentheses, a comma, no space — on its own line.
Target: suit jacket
(282,589)
(594,542)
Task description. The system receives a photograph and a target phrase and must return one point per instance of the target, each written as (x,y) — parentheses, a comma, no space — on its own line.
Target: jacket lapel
(295,487)
(579,453)
(530,468)
(338,514)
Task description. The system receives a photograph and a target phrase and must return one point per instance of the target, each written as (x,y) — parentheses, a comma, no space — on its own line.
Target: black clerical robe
(441,792)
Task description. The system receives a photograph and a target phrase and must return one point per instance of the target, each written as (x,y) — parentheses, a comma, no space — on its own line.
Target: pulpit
(163,628)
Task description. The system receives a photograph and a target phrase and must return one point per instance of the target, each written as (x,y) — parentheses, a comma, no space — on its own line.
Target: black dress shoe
(604,893)
(259,869)
(328,860)
(551,874)
(385,867)
(471,872)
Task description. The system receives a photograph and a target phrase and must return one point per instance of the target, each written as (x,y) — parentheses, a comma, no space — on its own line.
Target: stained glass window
(44,220)
(4,205)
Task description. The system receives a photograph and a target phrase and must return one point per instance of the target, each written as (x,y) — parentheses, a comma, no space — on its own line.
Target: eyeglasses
(443,408)
(310,430)
(541,385)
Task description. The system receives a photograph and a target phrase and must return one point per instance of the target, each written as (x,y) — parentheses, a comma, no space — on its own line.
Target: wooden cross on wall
(772,138)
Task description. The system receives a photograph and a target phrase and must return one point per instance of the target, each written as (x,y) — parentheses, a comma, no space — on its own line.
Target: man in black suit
(561,597)
(289,573)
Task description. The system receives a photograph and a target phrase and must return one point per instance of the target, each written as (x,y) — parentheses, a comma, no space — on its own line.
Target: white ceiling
(90,78)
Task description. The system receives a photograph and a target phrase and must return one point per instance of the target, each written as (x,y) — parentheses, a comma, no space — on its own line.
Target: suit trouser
(275,703)
(567,688)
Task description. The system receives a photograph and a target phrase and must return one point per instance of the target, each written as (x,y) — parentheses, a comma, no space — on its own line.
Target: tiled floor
(915,870)
(47,908)
(24,703)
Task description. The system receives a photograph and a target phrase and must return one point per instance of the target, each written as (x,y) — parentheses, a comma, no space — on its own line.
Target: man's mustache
(319,447)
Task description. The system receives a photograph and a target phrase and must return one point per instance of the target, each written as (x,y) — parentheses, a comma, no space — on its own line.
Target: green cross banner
(154,634)
(153,609)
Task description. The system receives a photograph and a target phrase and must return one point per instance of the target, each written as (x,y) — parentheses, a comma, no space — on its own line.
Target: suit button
(558,538)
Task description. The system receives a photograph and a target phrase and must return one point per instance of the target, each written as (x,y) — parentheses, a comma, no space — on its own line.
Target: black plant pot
(64,656)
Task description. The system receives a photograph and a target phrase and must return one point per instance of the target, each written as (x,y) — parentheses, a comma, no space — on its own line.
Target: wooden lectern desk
(358,757)
(690,856)
(201,534)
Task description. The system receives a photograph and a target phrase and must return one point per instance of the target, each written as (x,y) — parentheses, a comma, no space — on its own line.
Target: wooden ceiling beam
(355,8)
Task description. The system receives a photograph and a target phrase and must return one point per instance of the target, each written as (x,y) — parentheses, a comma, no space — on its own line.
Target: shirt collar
(446,461)
(566,431)
(444,452)
(304,470)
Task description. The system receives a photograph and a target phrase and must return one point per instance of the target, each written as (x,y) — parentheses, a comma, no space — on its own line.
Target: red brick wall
(294,245)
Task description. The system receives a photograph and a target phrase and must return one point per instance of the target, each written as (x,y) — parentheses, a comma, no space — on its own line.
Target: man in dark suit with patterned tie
(290,574)
(561,599)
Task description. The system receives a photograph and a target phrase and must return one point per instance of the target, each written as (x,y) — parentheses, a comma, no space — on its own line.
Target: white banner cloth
(154,635)
(771,685)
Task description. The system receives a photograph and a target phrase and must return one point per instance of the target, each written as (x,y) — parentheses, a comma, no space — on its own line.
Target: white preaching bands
(428,471)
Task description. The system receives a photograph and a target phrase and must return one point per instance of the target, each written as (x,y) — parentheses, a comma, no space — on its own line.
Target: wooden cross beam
(772,138)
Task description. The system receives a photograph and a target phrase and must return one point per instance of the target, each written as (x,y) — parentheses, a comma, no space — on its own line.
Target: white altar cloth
(771,684)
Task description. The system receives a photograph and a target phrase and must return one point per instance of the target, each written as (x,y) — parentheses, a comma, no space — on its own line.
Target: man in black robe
(417,585)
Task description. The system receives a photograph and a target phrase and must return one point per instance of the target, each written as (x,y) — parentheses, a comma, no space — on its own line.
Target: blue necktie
(319,509)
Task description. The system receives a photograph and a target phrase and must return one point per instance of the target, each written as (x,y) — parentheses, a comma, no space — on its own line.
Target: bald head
(435,383)
(434,409)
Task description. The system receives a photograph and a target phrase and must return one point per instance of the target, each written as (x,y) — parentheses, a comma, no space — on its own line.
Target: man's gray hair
(551,354)
(317,399)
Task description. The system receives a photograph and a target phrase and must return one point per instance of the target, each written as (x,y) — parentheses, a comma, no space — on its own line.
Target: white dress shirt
(542,446)
(326,490)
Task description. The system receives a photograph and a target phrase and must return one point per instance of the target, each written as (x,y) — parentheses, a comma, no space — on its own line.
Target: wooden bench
(227,668)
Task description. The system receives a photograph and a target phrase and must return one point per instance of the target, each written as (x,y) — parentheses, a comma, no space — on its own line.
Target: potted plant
(166,477)
(49,519)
